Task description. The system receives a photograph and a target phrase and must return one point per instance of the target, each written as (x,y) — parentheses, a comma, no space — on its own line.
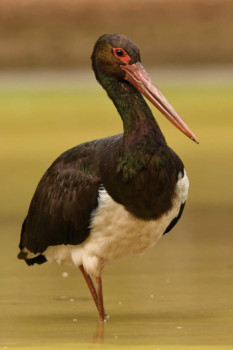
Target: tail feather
(39,259)
(25,254)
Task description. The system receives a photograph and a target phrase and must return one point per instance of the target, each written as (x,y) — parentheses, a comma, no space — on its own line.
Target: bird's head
(111,52)
(116,57)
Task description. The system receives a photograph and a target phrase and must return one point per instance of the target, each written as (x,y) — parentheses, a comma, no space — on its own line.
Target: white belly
(115,232)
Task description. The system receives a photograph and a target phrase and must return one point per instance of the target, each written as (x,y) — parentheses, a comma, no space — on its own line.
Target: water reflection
(98,336)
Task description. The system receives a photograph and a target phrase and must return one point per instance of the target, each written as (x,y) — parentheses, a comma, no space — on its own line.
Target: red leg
(100,299)
(97,296)
(90,284)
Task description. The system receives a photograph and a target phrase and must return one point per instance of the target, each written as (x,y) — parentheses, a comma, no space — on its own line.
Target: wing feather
(61,207)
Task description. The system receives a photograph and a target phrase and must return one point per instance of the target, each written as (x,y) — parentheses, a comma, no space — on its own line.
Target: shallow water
(178,293)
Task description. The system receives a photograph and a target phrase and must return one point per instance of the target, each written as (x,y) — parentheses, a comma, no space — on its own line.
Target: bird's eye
(121,55)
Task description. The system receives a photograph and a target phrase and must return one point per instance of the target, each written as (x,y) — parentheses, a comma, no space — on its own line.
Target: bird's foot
(103,318)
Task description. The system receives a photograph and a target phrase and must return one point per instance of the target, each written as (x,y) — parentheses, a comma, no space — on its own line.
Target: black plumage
(137,168)
(66,196)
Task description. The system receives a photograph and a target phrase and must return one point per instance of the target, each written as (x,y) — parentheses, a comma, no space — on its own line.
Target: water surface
(180,292)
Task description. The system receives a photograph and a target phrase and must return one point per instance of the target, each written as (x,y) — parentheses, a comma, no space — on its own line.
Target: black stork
(114,196)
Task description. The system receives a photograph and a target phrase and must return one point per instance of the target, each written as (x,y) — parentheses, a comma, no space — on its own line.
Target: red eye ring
(121,54)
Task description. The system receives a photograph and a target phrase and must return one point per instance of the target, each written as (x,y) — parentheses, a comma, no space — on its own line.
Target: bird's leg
(100,299)
(90,285)
(97,297)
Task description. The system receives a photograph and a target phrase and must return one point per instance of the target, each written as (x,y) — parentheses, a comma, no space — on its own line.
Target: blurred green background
(49,102)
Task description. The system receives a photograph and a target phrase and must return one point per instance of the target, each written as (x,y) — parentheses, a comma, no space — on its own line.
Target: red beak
(138,77)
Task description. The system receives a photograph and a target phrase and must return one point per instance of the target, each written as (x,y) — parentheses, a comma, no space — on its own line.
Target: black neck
(138,120)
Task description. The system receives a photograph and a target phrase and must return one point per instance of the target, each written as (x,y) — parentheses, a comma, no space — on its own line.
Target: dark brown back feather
(61,207)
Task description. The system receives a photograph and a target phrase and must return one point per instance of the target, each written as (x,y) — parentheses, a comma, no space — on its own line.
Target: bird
(114,196)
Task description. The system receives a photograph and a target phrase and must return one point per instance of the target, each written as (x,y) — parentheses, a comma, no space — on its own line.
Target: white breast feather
(115,232)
